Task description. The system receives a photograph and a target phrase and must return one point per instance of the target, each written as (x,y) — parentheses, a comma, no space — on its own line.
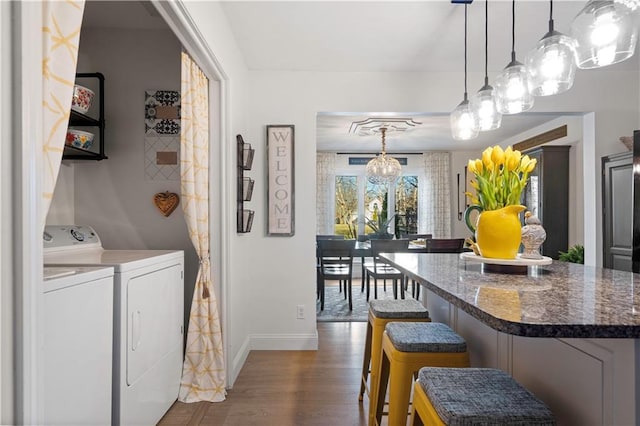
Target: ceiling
(392,36)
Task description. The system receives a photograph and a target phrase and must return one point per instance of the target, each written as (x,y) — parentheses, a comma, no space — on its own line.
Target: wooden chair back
(445,245)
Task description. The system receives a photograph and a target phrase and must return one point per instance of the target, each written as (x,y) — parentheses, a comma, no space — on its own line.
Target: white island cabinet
(567,332)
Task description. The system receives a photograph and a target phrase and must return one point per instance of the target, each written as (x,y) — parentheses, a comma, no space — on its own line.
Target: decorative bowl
(78,138)
(82,97)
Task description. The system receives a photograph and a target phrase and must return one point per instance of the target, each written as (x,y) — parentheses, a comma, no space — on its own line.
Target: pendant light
(464,125)
(512,85)
(552,64)
(605,32)
(483,103)
(383,169)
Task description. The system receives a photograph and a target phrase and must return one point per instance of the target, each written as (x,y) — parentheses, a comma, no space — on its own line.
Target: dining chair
(336,263)
(437,245)
(445,245)
(327,237)
(383,270)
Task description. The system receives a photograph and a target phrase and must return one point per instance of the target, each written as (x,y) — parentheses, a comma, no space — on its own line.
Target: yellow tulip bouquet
(500,177)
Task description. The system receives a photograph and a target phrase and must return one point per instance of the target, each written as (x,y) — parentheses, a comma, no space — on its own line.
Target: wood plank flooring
(297,388)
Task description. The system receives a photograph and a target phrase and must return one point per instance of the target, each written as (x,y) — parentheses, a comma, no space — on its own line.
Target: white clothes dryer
(77,352)
(148,308)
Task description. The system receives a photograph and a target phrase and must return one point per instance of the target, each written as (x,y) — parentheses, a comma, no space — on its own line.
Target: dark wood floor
(297,388)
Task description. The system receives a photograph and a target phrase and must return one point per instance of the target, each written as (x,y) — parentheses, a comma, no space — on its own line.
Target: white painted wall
(6,294)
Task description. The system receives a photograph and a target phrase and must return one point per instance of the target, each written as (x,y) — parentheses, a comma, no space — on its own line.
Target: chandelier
(383,169)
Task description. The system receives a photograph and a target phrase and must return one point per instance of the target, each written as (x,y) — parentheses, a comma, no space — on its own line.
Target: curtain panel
(325,177)
(203,372)
(435,214)
(60,37)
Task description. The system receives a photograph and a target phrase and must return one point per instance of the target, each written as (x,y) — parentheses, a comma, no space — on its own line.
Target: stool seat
(424,337)
(398,309)
(464,396)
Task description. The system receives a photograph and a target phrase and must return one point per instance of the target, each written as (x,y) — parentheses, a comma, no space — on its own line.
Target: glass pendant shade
(631,4)
(606,33)
(483,107)
(383,169)
(512,89)
(464,125)
(552,64)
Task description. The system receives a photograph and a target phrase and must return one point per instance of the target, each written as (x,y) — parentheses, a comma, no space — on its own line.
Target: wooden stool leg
(377,331)
(366,361)
(376,403)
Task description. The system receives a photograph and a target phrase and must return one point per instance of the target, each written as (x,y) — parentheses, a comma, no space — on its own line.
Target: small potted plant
(380,226)
(575,254)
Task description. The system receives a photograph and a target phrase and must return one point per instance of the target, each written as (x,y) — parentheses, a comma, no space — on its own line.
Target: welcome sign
(280,195)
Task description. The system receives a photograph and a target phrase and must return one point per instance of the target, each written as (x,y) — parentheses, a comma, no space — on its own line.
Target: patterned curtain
(325,175)
(61,37)
(203,372)
(435,216)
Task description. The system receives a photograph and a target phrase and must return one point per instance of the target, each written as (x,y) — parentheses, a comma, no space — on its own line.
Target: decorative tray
(518,261)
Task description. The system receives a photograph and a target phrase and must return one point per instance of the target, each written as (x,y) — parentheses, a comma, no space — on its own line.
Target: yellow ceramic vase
(498,231)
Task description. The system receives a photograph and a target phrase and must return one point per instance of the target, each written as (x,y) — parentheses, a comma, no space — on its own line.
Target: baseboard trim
(238,362)
(284,342)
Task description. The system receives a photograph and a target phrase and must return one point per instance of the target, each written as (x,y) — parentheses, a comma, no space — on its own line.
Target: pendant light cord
(513,30)
(486,42)
(550,15)
(465,51)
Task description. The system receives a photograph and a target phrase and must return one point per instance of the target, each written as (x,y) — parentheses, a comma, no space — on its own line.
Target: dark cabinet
(547,196)
(617,201)
(92,122)
(244,185)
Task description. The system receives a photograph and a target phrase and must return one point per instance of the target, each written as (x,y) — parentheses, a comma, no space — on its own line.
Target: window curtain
(60,37)
(325,175)
(435,214)
(203,372)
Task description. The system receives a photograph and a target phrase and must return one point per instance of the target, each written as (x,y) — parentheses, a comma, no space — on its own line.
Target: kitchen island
(567,332)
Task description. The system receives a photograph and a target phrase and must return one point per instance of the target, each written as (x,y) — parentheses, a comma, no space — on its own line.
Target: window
(346,209)
(407,205)
(361,207)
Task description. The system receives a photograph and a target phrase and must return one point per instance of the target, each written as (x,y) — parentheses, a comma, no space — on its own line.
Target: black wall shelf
(244,161)
(77,119)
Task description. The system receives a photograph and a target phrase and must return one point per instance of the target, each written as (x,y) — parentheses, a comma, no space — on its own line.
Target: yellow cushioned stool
(406,347)
(464,396)
(382,312)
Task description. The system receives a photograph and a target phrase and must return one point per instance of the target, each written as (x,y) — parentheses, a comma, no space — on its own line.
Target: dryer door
(154,319)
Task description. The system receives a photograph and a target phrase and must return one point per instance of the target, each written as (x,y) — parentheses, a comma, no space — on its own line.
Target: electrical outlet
(300,312)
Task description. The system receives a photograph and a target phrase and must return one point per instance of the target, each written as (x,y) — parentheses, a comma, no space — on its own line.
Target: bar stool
(455,396)
(382,312)
(406,347)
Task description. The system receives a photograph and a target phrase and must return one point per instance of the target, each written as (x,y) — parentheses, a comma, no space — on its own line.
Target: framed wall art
(280,180)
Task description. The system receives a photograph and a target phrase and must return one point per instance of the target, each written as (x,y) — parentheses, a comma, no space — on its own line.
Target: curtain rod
(376,153)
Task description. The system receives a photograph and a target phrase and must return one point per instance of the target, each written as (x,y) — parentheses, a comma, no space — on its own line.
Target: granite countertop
(563,300)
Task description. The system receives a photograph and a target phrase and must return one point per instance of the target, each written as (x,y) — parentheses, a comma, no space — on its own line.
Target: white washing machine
(77,353)
(148,308)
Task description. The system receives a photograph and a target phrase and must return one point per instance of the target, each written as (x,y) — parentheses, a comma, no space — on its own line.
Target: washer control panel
(67,237)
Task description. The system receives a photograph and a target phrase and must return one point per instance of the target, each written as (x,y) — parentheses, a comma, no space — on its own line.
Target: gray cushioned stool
(474,396)
(407,347)
(380,313)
